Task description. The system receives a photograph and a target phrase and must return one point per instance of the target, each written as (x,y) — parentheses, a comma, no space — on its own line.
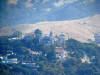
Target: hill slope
(80,29)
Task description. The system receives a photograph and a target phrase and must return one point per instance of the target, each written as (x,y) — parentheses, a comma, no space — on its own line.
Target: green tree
(37,33)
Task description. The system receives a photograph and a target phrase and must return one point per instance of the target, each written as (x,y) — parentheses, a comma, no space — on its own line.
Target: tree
(16,34)
(37,33)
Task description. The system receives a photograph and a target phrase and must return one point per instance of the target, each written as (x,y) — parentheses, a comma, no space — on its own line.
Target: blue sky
(13,12)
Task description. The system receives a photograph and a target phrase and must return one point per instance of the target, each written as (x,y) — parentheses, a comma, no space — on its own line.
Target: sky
(13,12)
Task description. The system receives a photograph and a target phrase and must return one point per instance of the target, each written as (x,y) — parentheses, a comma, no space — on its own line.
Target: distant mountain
(80,29)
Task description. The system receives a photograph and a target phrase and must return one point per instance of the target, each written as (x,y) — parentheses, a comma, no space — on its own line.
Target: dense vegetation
(47,62)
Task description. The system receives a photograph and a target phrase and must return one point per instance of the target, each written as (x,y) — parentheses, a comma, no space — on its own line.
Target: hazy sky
(14,12)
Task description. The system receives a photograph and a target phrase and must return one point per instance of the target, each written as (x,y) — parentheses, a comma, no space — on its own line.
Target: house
(35,53)
(61,54)
(86,59)
(1,57)
(13,60)
(30,65)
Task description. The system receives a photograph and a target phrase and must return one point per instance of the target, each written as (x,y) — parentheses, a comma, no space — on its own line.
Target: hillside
(80,29)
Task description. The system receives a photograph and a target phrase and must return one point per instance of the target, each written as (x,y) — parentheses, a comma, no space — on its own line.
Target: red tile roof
(59,50)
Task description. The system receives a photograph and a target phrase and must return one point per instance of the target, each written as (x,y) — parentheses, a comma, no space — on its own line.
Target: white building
(61,54)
